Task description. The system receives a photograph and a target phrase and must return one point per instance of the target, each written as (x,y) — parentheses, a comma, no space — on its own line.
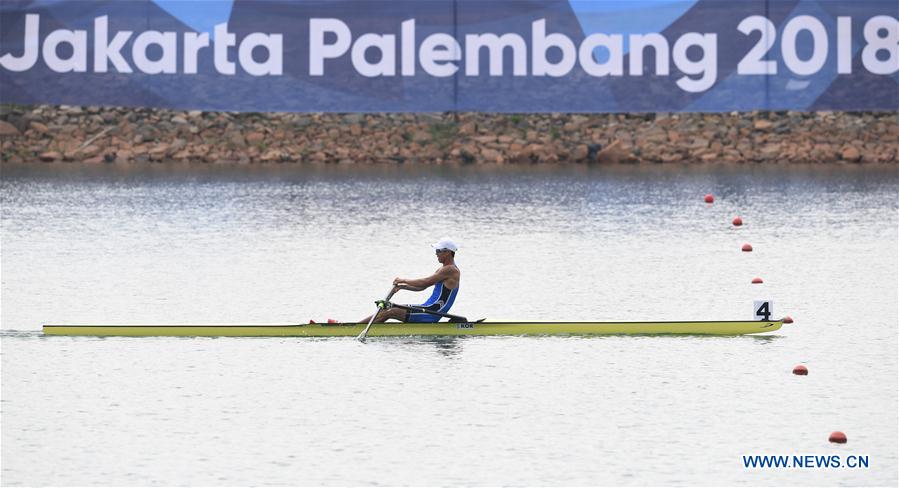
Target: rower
(445,282)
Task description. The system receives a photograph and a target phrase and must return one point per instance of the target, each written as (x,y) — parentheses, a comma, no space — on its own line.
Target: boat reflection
(447,346)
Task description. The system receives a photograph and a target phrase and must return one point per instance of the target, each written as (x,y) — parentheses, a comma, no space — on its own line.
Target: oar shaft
(457,318)
(361,337)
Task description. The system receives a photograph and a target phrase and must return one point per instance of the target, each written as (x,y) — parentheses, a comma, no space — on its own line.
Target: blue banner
(453,55)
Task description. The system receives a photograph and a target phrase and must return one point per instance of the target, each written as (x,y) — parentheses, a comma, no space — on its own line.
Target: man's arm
(423,283)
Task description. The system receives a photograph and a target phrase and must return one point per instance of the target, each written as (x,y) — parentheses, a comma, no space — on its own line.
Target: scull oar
(380,303)
(411,308)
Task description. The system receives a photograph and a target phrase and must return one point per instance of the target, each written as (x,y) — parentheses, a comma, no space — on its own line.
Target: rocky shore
(105,135)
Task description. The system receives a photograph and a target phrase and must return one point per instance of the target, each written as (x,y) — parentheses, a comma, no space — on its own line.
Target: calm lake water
(281,244)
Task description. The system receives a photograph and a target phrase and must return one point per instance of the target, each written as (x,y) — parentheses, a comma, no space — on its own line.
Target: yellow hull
(433,329)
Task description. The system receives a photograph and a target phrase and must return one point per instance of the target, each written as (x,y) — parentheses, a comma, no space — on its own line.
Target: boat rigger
(398,329)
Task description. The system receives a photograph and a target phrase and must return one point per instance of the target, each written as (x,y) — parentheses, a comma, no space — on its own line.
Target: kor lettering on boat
(109,49)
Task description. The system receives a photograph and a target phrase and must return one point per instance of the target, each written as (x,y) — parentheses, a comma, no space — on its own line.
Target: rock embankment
(98,135)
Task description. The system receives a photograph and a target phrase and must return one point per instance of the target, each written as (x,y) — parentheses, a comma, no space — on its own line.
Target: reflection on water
(285,244)
(447,346)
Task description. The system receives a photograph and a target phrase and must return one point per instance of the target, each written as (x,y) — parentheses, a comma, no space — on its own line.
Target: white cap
(445,243)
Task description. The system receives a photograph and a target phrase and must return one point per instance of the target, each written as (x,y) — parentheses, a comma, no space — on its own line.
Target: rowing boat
(428,329)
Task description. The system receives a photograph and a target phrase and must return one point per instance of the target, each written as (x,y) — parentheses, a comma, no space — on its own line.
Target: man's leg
(384,315)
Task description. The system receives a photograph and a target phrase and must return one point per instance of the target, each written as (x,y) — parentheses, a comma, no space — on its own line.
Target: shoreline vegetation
(96,135)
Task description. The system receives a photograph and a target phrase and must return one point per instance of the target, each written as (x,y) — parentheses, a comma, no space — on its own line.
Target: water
(175,244)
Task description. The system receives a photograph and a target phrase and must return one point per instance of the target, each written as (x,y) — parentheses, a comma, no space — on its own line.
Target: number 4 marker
(763,309)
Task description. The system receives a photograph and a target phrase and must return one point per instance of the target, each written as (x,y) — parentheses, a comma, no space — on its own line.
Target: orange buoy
(747,248)
(756,280)
(738,221)
(800,370)
(838,437)
(709,198)
(788,320)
